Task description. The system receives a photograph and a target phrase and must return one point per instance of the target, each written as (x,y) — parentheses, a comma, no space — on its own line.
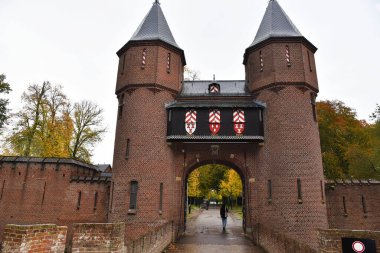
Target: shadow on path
(204,233)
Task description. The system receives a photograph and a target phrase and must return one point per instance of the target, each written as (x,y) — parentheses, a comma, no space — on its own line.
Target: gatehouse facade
(264,127)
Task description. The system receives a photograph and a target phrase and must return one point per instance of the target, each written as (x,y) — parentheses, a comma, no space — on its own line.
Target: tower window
(261,62)
(133,196)
(79,199)
(127,149)
(287,55)
(214,88)
(143,59)
(122,69)
(161,197)
(168,63)
(299,190)
(308,58)
(269,191)
(95,200)
(344,206)
(364,206)
(313,105)
(120,107)
(322,193)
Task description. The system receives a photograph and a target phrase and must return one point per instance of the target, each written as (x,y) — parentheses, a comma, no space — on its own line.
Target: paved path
(204,234)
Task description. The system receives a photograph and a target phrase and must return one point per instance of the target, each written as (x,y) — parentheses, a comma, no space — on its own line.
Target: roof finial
(214,77)
(157,2)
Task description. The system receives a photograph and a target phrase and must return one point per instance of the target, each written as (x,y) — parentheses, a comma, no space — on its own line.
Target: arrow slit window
(133,196)
(143,58)
(168,63)
(261,62)
(287,55)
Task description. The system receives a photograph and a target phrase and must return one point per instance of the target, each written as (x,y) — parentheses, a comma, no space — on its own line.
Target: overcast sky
(74,43)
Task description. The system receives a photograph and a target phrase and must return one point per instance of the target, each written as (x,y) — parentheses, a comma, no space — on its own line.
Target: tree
(349,146)
(88,130)
(194,184)
(191,75)
(231,186)
(4,89)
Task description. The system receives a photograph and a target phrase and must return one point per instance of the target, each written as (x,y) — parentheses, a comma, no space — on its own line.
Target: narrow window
(313,105)
(2,190)
(143,59)
(79,199)
(127,149)
(133,197)
(364,206)
(308,58)
(168,63)
(269,191)
(43,194)
(161,196)
(261,62)
(287,55)
(120,107)
(122,69)
(299,189)
(111,204)
(344,206)
(322,193)
(95,200)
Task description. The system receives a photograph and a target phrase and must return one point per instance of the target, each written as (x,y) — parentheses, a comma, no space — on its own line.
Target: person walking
(224,215)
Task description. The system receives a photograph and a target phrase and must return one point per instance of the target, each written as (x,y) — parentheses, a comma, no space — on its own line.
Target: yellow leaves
(231,186)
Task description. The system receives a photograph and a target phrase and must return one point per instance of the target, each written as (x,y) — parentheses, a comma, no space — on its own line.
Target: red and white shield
(191,121)
(239,121)
(214,120)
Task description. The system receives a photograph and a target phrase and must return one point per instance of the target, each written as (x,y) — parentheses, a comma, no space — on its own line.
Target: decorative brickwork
(34,238)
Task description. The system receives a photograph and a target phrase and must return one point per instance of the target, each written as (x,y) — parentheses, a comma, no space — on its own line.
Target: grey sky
(74,43)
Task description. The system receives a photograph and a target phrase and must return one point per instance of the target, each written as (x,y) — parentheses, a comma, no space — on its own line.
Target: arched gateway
(264,126)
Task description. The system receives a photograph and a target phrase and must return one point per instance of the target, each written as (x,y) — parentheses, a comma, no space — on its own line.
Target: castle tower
(150,74)
(280,71)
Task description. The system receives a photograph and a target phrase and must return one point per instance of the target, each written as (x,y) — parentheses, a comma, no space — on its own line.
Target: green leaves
(4,89)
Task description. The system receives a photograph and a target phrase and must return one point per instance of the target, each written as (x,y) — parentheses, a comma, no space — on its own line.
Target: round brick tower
(150,74)
(280,71)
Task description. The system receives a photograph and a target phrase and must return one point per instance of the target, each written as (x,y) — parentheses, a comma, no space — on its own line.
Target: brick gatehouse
(264,127)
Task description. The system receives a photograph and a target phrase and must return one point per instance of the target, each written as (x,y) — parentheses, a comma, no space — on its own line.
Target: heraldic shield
(214,120)
(191,121)
(239,121)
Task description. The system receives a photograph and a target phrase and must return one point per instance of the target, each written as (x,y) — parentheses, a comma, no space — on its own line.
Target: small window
(287,55)
(168,62)
(143,59)
(127,149)
(2,190)
(95,200)
(133,196)
(308,58)
(123,68)
(261,62)
(79,200)
(43,194)
(269,191)
(322,192)
(313,97)
(364,206)
(299,189)
(120,107)
(344,206)
(161,197)
(214,88)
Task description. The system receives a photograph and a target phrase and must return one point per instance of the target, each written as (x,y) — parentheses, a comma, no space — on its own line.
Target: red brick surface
(355,218)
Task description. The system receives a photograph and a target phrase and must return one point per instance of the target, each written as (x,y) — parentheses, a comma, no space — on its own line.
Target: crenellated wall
(48,190)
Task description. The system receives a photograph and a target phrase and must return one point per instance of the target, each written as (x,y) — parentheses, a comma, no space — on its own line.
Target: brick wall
(331,240)
(34,238)
(353,205)
(35,191)
(97,238)
(275,242)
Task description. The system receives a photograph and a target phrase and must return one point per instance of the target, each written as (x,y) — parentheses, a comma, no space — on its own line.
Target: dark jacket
(223,211)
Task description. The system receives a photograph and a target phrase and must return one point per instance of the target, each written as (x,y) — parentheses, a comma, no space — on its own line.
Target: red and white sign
(239,121)
(191,121)
(358,246)
(214,89)
(214,120)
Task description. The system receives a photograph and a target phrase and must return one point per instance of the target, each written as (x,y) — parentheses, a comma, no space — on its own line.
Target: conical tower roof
(275,24)
(154,27)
